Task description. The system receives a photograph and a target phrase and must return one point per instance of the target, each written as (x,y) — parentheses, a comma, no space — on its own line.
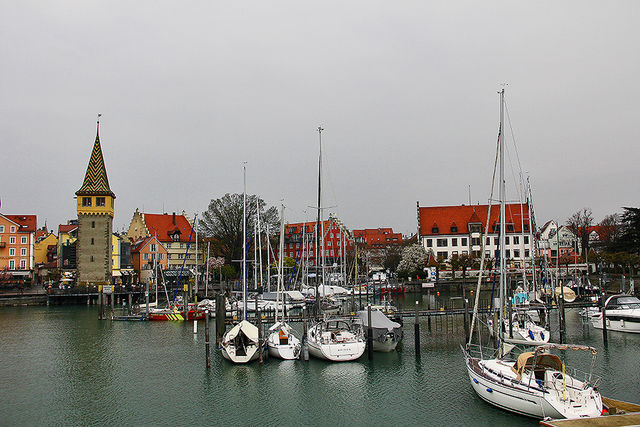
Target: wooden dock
(619,414)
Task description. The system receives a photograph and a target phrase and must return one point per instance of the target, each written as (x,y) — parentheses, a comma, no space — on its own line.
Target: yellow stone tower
(95,207)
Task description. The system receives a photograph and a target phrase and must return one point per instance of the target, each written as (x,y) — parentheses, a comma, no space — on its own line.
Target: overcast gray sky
(406,93)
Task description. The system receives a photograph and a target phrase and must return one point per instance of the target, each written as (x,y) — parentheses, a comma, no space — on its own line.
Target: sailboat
(536,384)
(281,341)
(242,342)
(334,339)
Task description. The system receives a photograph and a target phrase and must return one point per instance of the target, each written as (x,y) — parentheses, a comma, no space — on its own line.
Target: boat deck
(626,414)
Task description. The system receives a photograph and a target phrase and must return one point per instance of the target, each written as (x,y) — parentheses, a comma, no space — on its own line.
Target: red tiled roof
(163,226)
(444,217)
(27,222)
(66,228)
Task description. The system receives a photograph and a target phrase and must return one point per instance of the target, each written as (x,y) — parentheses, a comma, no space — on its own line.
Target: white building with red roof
(450,231)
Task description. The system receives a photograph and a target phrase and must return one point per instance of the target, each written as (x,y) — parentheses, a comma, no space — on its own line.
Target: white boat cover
(251,331)
(380,324)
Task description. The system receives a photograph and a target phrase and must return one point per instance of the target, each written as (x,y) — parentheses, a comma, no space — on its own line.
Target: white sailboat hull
(386,346)
(282,343)
(531,401)
(230,354)
(337,352)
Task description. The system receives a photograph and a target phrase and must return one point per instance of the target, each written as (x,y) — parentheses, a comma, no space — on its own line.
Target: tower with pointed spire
(95,207)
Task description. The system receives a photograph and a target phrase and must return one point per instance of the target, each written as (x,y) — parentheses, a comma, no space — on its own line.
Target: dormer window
(175,237)
(510,227)
(526,227)
(86,201)
(454,229)
(434,229)
(475,228)
(100,201)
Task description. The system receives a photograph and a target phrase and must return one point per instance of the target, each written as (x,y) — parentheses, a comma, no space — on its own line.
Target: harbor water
(59,365)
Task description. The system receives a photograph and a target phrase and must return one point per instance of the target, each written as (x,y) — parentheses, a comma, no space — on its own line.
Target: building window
(168,256)
(454,229)
(23,240)
(476,241)
(12,240)
(100,201)
(510,227)
(454,254)
(526,227)
(175,237)
(23,252)
(516,253)
(526,240)
(475,228)
(506,240)
(86,201)
(496,241)
(1,228)
(454,242)
(91,258)
(526,253)
(441,243)
(180,256)
(443,255)
(463,241)
(12,264)
(154,247)
(92,241)
(507,253)
(488,241)
(434,229)
(554,252)
(516,240)
(12,251)
(475,254)
(13,229)
(465,252)
(497,254)
(487,254)
(168,245)
(429,243)
(181,245)
(93,224)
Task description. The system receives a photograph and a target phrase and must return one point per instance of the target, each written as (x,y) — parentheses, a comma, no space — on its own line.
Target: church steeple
(96,182)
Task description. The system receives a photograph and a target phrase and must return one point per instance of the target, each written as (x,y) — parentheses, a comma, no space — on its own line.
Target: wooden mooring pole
(206,337)
(604,322)
(416,331)
(369,334)
(221,313)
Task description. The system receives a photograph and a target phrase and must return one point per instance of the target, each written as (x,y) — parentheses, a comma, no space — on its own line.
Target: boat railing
(481,352)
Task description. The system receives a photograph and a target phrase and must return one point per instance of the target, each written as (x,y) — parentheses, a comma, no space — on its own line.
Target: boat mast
(259,242)
(503,278)
(244,240)
(281,252)
(318,220)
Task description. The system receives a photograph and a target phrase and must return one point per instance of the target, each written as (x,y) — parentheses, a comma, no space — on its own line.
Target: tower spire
(95,179)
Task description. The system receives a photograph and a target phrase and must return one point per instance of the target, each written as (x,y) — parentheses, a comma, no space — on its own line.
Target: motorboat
(386,333)
(537,384)
(336,339)
(623,314)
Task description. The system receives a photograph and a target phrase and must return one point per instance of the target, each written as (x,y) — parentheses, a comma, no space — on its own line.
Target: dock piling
(416,330)
(206,338)
(369,334)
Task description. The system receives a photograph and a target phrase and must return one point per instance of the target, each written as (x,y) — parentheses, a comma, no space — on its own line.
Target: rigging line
(513,136)
(486,231)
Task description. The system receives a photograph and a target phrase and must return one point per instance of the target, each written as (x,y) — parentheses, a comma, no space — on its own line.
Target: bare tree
(223,222)
(580,224)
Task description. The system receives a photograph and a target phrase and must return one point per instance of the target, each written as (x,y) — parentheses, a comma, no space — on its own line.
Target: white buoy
(195,326)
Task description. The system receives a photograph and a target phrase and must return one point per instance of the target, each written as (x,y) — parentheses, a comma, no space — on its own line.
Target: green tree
(466,261)
(629,240)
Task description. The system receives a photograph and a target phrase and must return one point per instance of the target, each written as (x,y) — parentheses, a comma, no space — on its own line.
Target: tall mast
(244,240)
(281,252)
(503,281)
(320,129)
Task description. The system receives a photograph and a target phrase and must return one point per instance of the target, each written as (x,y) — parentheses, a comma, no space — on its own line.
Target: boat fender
(531,335)
(475,381)
(490,390)
(542,335)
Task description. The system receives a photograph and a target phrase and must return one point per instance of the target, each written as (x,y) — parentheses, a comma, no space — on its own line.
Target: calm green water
(61,366)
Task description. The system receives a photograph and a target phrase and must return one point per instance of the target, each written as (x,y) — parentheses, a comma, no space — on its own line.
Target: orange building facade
(17,244)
